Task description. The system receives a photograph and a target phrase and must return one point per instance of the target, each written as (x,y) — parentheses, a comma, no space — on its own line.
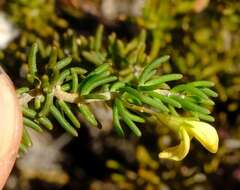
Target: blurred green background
(203,39)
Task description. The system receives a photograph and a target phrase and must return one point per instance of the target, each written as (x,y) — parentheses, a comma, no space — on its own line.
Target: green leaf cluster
(61,88)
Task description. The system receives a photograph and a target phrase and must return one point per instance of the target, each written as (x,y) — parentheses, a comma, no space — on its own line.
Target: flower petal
(204,133)
(178,152)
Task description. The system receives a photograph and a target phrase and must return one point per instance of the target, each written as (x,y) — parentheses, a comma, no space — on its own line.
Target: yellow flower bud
(188,128)
(178,152)
(204,133)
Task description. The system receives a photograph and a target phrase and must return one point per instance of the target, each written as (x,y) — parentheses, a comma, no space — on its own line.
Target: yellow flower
(188,128)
